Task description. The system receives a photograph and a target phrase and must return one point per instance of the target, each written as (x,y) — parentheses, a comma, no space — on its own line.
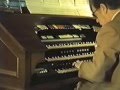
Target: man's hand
(77,64)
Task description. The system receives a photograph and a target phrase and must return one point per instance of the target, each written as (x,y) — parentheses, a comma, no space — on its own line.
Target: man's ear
(103,8)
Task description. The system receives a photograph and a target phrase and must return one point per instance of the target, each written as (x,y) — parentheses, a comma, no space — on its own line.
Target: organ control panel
(66,43)
(42,48)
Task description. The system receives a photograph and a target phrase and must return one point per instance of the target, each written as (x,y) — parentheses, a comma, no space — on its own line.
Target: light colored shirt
(115,15)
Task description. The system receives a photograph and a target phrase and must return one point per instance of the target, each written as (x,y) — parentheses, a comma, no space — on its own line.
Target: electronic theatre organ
(66,43)
(41,49)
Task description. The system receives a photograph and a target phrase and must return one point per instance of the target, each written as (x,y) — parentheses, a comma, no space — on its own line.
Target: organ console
(37,51)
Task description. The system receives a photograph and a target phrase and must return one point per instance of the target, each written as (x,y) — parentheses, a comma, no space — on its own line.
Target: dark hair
(111,4)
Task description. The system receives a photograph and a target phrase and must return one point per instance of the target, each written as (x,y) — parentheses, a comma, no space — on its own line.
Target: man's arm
(108,44)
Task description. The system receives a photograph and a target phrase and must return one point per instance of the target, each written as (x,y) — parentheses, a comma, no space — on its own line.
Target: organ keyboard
(41,49)
(66,43)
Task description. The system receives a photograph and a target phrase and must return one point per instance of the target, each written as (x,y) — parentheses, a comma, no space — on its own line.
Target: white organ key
(66,70)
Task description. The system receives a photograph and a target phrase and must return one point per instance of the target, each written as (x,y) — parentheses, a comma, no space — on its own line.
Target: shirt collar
(115,15)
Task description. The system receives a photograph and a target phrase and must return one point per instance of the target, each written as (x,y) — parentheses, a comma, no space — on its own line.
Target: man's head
(104,10)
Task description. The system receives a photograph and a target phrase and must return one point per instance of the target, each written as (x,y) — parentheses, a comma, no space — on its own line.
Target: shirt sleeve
(108,44)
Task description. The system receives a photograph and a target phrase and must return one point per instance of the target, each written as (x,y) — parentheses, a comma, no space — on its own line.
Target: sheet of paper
(59,7)
(67,3)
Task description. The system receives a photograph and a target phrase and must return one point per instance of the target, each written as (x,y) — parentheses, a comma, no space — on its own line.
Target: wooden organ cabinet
(37,51)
